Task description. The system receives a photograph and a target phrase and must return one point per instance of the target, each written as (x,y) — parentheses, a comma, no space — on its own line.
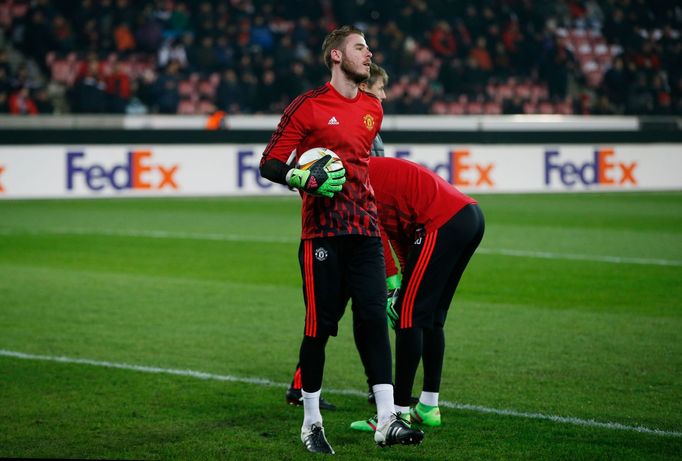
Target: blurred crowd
(254,56)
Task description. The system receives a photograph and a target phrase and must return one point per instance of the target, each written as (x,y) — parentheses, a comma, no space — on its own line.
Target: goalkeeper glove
(316,180)
(393,285)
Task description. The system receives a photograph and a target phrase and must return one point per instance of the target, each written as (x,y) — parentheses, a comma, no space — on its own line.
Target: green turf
(213,285)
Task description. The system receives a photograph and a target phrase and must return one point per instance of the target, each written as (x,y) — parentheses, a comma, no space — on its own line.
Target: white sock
(311,408)
(429,398)
(403,410)
(383,394)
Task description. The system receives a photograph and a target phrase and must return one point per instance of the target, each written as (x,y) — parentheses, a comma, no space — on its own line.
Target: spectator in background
(558,64)
(5,85)
(205,56)
(603,106)
(480,54)
(118,89)
(615,83)
(43,102)
(229,92)
(443,40)
(261,35)
(62,34)
(148,34)
(514,105)
(21,103)
(268,94)
(179,21)
(168,96)
(640,100)
(4,103)
(91,37)
(38,37)
(172,49)
(224,53)
(148,91)
(88,95)
(123,38)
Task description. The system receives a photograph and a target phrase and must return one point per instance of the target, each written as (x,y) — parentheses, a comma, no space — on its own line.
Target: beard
(351,74)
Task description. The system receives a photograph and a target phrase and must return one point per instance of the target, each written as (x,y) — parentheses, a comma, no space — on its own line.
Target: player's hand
(316,180)
(391,314)
(393,286)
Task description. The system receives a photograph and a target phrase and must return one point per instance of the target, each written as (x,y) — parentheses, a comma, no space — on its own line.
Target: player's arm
(290,131)
(377,147)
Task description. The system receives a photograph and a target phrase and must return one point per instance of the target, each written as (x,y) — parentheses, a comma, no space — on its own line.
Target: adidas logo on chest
(333,121)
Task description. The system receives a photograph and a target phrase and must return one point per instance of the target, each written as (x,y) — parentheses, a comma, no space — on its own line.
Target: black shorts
(336,269)
(434,266)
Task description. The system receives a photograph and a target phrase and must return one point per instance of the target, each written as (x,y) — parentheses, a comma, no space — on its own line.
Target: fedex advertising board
(199,170)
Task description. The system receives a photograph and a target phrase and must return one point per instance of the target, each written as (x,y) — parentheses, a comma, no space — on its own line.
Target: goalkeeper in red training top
(341,254)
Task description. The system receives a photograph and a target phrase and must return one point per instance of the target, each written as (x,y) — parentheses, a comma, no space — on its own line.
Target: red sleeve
(290,131)
(391,268)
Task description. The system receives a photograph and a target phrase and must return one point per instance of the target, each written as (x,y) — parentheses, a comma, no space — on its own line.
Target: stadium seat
(523,89)
(205,107)
(456,108)
(492,108)
(474,108)
(439,108)
(563,108)
(505,91)
(207,89)
(187,107)
(545,107)
(187,88)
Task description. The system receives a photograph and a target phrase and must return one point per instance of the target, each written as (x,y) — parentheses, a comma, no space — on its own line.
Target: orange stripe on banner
(416,279)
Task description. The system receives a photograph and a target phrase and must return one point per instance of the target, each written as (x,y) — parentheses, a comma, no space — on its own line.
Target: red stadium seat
(474,108)
(187,89)
(187,107)
(207,89)
(456,108)
(439,108)
(205,107)
(546,107)
(492,108)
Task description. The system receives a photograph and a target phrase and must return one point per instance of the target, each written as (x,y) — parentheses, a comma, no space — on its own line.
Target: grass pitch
(563,341)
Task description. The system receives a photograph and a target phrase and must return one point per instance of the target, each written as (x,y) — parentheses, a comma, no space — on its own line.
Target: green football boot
(425,414)
(366,425)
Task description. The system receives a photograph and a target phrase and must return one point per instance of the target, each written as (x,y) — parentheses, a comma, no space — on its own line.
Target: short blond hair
(334,40)
(375,73)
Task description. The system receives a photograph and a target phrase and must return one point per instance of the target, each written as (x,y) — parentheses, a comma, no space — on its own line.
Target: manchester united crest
(368,120)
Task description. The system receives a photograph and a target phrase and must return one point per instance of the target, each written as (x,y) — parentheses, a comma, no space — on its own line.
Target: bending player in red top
(341,254)
(434,230)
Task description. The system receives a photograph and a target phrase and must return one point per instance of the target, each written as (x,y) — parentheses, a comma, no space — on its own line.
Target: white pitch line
(267,382)
(579,257)
(158,234)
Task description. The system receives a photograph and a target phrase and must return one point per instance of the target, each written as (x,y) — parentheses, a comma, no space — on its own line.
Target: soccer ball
(310,156)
